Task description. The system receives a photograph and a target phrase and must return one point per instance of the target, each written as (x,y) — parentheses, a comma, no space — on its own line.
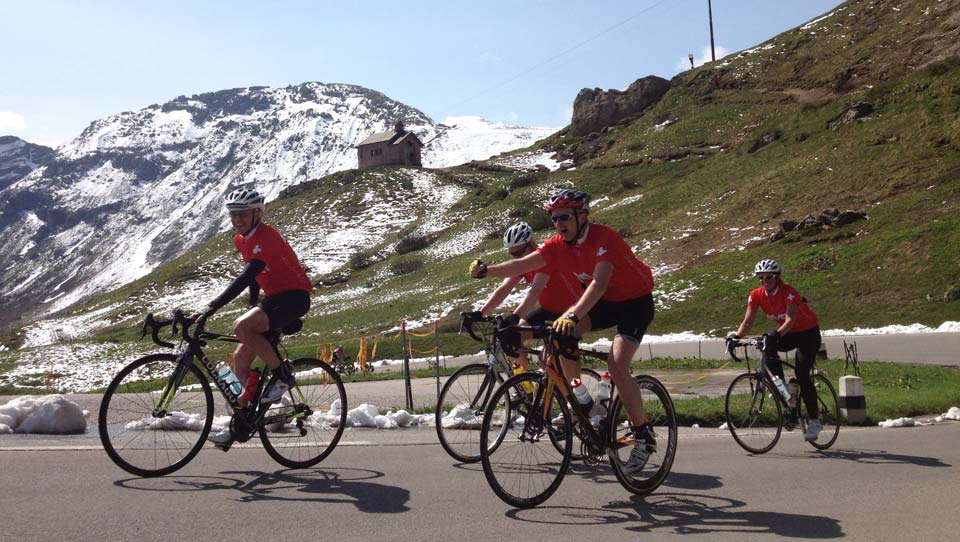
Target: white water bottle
(582,394)
(226,374)
(778,382)
(604,389)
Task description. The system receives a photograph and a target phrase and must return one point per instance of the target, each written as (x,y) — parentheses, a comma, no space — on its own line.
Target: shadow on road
(344,486)
(879,457)
(684,513)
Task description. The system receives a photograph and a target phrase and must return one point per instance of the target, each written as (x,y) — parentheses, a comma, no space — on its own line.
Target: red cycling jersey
(631,277)
(283,271)
(775,306)
(560,293)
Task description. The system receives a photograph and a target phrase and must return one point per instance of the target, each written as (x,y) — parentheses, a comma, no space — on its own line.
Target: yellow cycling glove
(566,325)
(478,269)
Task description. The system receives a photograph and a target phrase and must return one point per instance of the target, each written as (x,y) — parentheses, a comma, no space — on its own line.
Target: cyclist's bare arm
(747,323)
(532,299)
(789,320)
(598,286)
(515,268)
(498,295)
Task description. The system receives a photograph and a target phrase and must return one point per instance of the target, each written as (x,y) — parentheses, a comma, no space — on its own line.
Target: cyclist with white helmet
(797,327)
(548,296)
(270,265)
(616,291)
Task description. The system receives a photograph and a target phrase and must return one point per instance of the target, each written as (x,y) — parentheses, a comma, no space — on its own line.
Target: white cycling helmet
(767,266)
(242,199)
(517,235)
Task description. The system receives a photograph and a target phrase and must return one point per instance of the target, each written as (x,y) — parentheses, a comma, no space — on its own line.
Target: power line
(558,55)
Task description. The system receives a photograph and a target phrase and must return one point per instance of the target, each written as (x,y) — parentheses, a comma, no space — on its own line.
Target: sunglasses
(766,277)
(561,218)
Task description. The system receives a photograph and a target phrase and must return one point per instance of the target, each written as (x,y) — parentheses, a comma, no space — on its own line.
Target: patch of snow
(48,414)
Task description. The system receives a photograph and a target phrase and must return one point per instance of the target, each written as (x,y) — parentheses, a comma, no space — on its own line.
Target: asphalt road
(878,484)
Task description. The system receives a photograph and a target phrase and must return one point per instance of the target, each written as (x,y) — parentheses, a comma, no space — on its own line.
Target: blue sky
(64,64)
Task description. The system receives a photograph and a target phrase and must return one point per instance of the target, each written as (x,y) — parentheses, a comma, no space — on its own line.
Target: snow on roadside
(48,414)
(946,327)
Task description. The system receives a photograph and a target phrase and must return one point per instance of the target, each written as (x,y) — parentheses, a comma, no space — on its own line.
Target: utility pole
(713,53)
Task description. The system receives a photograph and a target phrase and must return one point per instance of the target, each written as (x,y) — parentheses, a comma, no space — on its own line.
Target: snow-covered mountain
(18,158)
(138,188)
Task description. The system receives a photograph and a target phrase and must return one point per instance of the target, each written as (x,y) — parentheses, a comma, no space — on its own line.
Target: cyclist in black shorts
(270,265)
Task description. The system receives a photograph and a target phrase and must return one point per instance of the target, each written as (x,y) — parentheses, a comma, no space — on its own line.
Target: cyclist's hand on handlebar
(565,325)
(478,269)
(732,339)
(472,316)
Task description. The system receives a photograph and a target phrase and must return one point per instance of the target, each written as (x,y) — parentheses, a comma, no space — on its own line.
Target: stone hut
(397,147)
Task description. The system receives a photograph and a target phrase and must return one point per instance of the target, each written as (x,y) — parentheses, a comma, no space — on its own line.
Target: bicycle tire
(660,412)
(145,444)
(524,470)
(460,407)
(828,405)
(590,379)
(301,440)
(754,417)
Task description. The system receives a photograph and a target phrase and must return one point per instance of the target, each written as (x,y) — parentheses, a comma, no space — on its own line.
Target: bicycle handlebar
(733,344)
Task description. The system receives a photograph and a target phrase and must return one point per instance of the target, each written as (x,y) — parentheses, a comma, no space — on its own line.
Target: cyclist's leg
(249,329)
(632,318)
(807,344)
(274,312)
(536,317)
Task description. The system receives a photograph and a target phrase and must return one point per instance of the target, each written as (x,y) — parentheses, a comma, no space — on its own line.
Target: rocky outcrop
(827,219)
(854,113)
(595,109)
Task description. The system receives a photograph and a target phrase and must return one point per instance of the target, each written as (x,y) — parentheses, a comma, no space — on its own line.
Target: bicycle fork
(162,406)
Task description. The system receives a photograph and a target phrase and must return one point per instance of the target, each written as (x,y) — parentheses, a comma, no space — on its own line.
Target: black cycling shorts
(632,317)
(539,317)
(285,307)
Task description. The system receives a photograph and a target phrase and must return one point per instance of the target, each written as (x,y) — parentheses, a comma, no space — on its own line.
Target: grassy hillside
(697,185)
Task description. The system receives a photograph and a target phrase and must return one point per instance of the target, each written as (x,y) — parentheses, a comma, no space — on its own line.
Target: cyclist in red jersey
(548,296)
(617,292)
(797,327)
(270,265)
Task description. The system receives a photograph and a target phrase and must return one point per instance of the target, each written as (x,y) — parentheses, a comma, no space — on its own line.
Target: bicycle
(466,393)
(524,472)
(157,412)
(756,412)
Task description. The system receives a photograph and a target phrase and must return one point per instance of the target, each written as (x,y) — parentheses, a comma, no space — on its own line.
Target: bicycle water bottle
(517,369)
(250,388)
(778,382)
(582,394)
(604,389)
(226,374)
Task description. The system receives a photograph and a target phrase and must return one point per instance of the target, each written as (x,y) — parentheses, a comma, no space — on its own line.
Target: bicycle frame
(193,355)
(767,376)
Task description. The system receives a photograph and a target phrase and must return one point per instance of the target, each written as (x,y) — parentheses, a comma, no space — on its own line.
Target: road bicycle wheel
(590,379)
(144,437)
(306,425)
(460,407)
(754,417)
(525,469)
(658,407)
(828,409)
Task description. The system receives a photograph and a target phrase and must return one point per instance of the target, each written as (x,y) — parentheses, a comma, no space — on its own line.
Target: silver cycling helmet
(242,199)
(517,235)
(767,266)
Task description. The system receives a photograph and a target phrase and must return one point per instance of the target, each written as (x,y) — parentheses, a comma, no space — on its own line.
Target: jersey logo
(601,251)
(584,277)
(790,297)
(257,249)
